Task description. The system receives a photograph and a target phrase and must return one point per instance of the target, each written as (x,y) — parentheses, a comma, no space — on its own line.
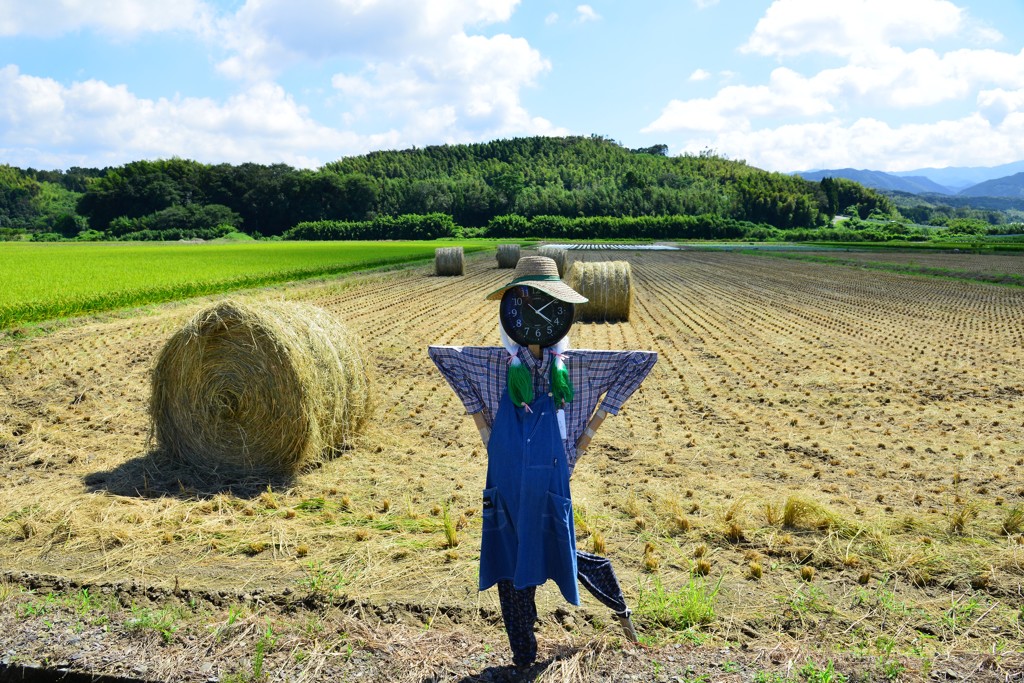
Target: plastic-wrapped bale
(259,388)
(560,257)
(449,261)
(508,255)
(609,287)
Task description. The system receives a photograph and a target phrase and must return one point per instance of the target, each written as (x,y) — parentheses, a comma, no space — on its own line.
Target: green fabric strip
(534,278)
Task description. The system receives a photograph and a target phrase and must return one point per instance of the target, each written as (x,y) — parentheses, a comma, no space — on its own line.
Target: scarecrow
(538,404)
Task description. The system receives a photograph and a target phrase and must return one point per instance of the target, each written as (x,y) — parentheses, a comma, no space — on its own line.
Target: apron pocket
(559,513)
(498,544)
(494,514)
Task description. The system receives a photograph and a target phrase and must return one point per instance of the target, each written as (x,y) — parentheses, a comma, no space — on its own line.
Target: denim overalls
(528,530)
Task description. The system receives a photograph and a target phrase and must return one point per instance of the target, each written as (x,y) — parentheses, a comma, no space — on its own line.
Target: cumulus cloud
(870,143)
(267,35)
(998,104)
(787,94)
(586,13)
(407,73)
(49,18)
(889,77)
(93,123)
(700,75)
(794,27)
(835,111)
(419,66)
(470,89)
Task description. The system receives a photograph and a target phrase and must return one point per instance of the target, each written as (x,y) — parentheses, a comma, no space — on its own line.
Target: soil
(834,452)
(393,642)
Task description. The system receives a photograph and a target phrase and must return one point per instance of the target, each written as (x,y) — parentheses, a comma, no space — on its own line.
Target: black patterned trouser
(519,608)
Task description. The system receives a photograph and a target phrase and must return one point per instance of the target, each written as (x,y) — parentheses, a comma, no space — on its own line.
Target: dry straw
(508,255)
(560,257)
(267,387)
(609,287)
(449,261)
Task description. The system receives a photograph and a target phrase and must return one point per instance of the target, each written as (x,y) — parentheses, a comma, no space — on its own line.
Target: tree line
(539,179)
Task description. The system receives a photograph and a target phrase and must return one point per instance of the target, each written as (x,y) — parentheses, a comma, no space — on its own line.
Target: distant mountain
(1010,186)
(879,180)
(959,178)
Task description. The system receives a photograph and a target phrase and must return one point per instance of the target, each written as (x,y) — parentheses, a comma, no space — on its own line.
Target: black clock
(530,316)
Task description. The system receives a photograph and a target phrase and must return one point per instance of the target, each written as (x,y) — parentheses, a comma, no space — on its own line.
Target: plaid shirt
(478,375)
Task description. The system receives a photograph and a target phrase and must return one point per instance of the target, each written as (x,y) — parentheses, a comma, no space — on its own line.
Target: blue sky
(786,85)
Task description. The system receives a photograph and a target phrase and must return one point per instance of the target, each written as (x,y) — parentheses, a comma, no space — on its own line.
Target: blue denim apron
(528,531)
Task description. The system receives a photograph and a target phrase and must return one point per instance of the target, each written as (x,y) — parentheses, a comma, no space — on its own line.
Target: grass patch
(57,280)
(691,606)
(164,621)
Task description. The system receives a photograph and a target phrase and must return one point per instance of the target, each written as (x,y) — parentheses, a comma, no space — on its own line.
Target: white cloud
(699,75)
(852,27)
(870,143)
(889,78)
(787,94)
(418,66)
(119,18)
(469,90)
(551,19)
(268,35)
(415,73)
(881,71)
(894,78)
(998,104)
(704,4)
(586,13)
(94,123)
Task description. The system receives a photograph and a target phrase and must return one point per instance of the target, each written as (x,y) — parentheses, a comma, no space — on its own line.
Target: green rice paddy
(43,281)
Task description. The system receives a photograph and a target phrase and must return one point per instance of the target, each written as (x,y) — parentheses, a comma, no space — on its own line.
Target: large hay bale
(268,387)
(508,255)
(449,261)
(560,257)
(609,287)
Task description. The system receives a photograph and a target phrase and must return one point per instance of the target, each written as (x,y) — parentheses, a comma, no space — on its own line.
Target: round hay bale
(508,255)
(268,387)
(449,261)
(609,287)
(560,257)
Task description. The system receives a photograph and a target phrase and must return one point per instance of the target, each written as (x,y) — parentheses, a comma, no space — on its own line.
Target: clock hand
(538,311)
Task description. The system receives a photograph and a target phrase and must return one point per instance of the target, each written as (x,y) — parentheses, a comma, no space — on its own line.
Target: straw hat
(540,272)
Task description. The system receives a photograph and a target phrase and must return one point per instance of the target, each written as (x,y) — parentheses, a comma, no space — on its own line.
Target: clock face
(531,316)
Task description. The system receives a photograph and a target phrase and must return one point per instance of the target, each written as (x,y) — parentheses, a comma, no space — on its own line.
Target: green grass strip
(38,287)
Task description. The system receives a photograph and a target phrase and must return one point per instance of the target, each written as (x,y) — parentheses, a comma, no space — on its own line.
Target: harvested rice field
(989,264)
(998,268)
(821,474)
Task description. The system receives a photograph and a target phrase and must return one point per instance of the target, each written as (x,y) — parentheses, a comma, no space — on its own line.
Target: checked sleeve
(617,374)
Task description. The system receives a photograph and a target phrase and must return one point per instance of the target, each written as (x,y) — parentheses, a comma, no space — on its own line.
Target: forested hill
(572,177)
(586,176)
